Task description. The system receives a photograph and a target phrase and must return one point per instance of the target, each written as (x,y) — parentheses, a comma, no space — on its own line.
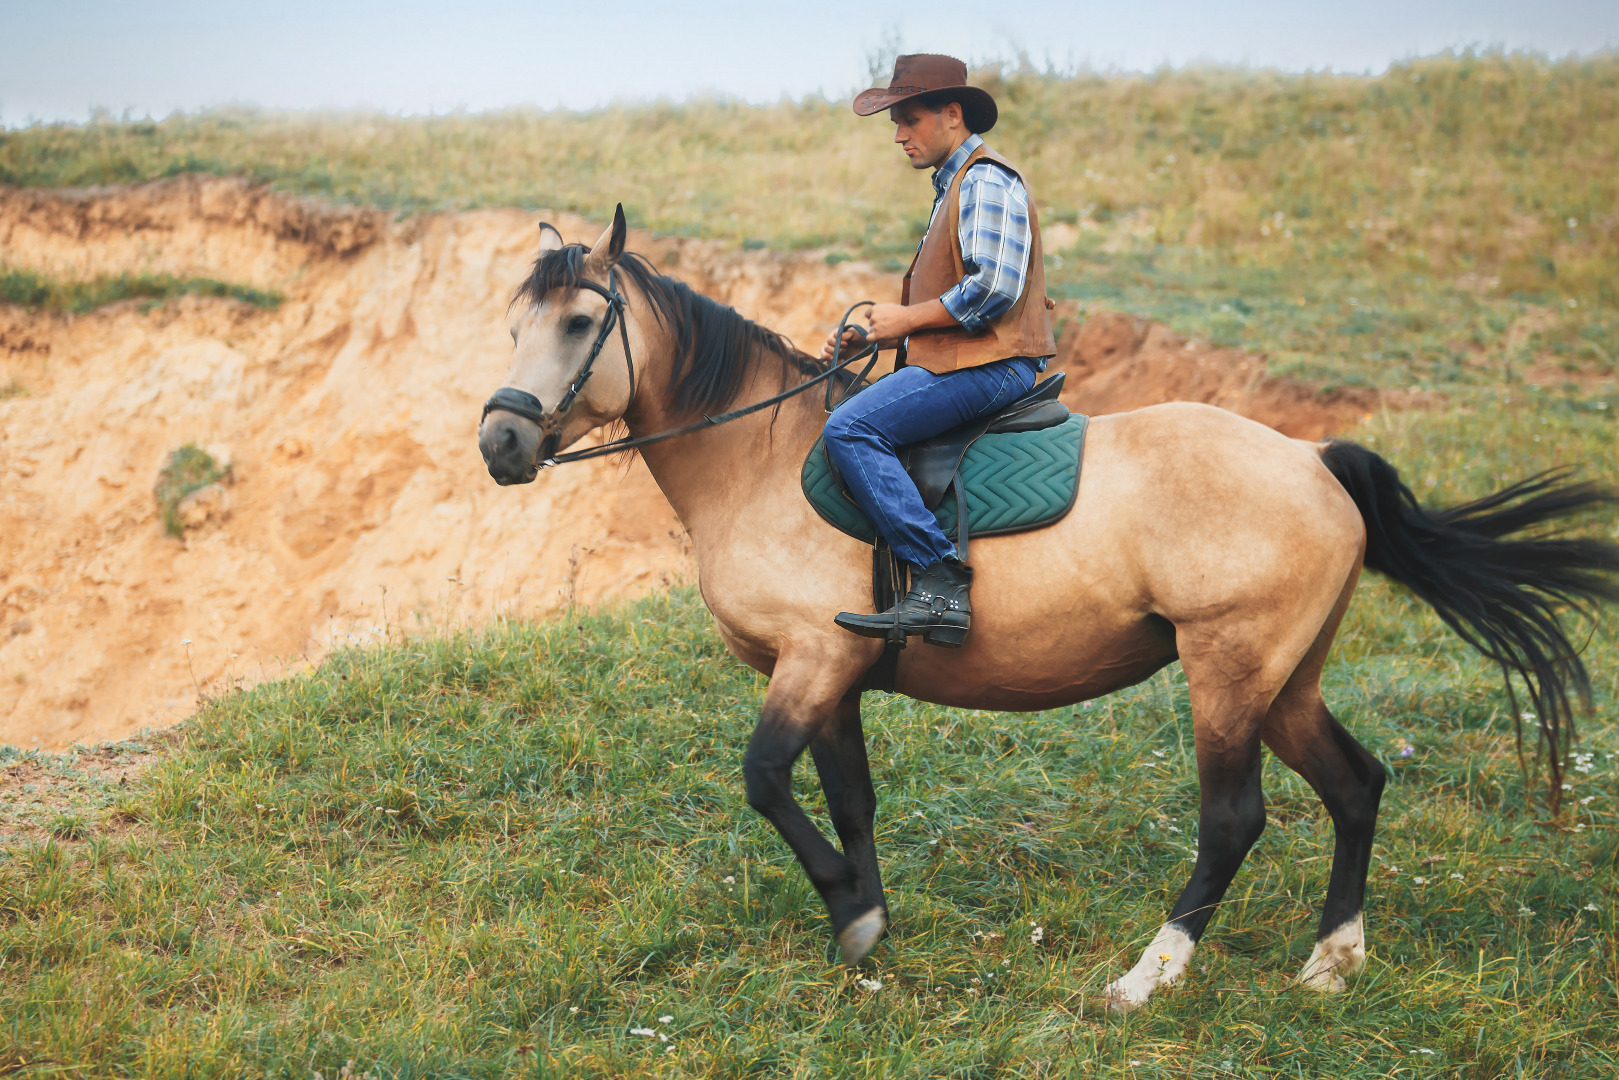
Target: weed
(12,389)
(68,827)
(35,291)
(188,469)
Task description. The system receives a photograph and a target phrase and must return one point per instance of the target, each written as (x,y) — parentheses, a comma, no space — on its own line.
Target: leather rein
(522,403)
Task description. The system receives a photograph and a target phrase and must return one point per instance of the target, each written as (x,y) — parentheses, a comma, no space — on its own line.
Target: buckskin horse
(1196,535)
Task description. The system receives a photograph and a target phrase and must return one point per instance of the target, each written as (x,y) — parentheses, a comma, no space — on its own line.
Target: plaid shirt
(994,231)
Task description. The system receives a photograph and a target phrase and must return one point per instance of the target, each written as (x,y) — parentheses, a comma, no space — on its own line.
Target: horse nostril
(508,441)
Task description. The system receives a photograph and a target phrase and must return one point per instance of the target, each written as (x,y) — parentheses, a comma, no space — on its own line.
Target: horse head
(571,370)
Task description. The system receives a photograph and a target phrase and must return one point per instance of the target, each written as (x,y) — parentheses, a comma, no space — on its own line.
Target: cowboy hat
(931,76)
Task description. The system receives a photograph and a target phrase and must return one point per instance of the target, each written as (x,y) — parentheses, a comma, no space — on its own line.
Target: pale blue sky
(60,58)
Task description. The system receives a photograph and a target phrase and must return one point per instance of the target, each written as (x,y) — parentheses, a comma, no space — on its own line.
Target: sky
(60,59)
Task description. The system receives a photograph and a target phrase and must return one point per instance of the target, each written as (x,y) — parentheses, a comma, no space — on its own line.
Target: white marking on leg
(1163,962)
(859,937)
(1336,956)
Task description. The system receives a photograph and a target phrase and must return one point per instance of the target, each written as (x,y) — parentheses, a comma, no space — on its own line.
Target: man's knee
(847,427)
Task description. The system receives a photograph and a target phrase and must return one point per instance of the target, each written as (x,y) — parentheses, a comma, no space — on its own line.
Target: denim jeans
(865,433)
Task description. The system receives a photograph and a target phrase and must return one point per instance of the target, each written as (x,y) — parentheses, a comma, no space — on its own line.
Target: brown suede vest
(1024,329)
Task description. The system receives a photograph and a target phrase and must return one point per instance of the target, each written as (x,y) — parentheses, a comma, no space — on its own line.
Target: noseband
(524,404)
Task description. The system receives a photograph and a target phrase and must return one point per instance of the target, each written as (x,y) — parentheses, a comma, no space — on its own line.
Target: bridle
(524,404)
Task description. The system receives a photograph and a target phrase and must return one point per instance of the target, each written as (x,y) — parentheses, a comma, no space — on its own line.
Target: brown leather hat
(925,75)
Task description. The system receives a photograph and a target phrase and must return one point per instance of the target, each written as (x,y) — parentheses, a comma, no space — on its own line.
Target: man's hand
(892,322)
(852,342)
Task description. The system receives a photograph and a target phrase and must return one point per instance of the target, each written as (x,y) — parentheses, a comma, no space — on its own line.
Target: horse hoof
(1121,1001)
(859,937)
(1325,982)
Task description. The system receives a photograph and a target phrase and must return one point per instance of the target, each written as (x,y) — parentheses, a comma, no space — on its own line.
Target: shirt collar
(944,174)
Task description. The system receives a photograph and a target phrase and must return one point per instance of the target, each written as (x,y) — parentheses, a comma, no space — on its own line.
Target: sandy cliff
(358,503)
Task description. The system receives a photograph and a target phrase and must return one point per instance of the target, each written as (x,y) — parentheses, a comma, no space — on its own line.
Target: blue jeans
(865,433)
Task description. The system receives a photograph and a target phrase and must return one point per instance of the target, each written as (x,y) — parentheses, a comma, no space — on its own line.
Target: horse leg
(840,760)
(1229,700)
(795,713)
(1349,780)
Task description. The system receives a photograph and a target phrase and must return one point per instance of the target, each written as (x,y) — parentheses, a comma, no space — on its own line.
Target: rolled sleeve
(993,227)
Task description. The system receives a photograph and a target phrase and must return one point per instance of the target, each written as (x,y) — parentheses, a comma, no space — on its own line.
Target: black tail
(1503,596)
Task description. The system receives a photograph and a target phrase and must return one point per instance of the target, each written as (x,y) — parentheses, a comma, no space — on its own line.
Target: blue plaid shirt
(993,224)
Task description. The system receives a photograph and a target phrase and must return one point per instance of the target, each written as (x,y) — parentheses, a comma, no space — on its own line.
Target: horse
(1196,535)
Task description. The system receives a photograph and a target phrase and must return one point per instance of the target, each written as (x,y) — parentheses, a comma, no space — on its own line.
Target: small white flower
(1573,222)
(647,1032)
(730,879)
(1037,935)
(870,985)
(1591,907)
(933,842)
(1527,715)
(573,1008)
(666,1019)
(1524,909)
(1422,1050)
(1456,877)
(1419,881)
(918,814)
(185,641)
(1587,800)
(1157,753)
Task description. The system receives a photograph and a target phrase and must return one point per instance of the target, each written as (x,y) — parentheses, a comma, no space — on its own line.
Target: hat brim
(977,107)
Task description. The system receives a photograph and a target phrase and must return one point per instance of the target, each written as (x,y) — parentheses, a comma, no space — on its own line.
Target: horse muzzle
(511,447)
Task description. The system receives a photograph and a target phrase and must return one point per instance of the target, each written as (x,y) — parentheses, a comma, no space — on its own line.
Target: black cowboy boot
(937,607)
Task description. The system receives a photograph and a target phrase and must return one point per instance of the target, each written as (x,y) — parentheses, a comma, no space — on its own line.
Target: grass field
(500,853)
(517,851)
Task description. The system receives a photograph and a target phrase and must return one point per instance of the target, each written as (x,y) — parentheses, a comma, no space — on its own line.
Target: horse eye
(578,324)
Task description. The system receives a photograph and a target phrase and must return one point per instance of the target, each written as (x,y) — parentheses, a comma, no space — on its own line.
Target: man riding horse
(972,329)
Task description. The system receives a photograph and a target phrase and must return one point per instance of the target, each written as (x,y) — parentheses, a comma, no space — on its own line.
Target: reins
(526,405)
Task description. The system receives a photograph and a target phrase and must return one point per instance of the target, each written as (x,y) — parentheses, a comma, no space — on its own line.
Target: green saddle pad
(1015,481)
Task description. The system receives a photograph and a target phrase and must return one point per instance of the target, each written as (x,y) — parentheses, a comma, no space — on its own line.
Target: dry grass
(1472,163)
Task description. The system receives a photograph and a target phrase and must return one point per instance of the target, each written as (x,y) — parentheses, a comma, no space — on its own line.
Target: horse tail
(1503,593)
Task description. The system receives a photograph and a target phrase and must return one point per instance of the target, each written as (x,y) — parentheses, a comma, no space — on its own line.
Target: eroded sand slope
(348,415)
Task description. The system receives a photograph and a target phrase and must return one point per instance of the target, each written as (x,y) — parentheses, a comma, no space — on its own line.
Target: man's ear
(609,246)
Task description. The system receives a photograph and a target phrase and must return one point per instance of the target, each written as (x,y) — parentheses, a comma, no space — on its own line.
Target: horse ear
(550,237)
(610,245)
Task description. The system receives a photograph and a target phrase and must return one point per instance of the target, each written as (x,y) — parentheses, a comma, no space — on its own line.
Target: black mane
(717,347)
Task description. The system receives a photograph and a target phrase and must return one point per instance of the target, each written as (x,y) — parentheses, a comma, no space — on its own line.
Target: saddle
(1009,472)
(935,464)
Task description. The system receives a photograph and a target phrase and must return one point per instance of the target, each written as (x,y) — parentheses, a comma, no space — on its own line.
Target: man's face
(927,137)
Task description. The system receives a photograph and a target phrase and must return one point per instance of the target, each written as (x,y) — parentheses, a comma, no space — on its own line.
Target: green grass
(497,853)
(39,291)
(188,469)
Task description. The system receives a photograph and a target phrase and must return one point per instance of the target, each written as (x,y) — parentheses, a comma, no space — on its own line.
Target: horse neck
(710,474)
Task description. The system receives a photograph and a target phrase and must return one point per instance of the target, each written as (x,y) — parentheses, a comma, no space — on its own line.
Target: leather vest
(1024,329)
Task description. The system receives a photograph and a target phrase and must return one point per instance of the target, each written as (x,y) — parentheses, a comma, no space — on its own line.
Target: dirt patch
(358,504)
(73,796)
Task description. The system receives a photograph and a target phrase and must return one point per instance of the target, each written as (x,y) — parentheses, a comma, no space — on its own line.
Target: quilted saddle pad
(1015,481)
